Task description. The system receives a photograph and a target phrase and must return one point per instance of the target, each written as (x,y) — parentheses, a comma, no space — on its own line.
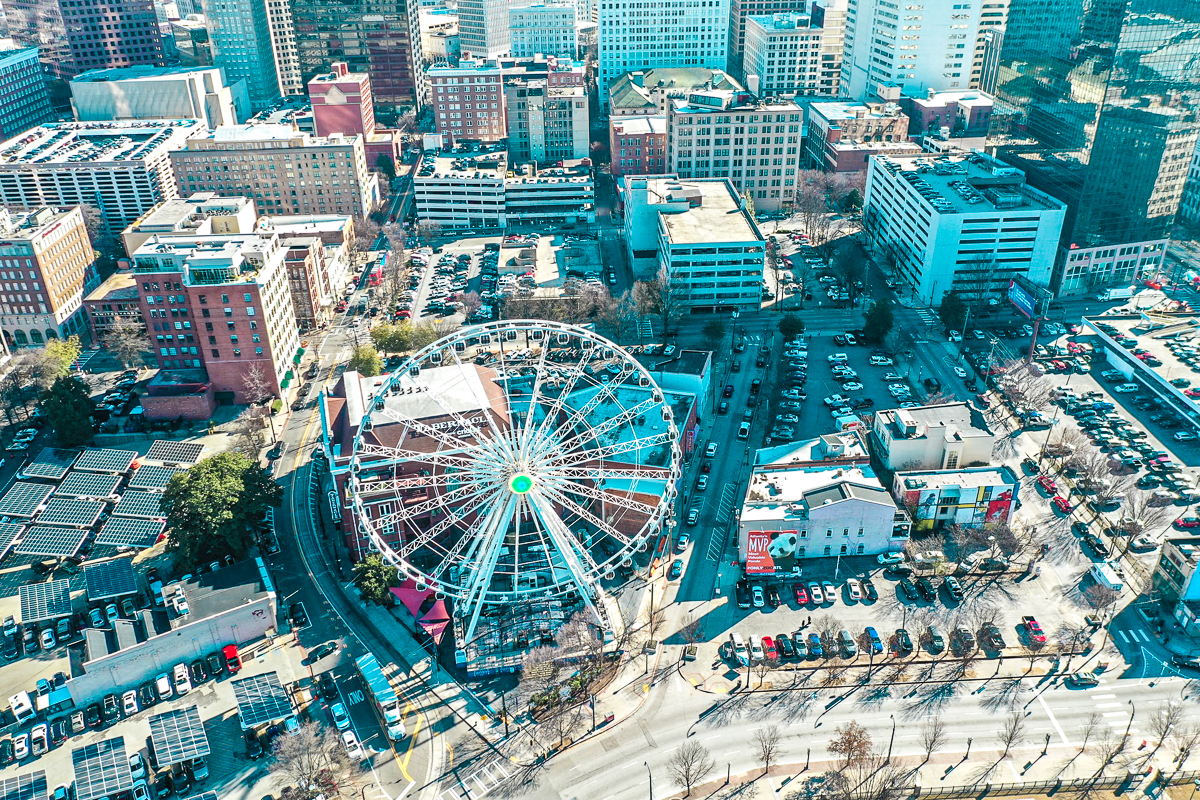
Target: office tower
(784,55)
(24,100)
(1110,125)
(56,262)
(943,45)
(483,28)
(240,32)
(283,47)
(104,95)
(739,12)
(379,37)
(122,168)
(100,33)
(545,123)
(542,28)
(283,170)
(672,33)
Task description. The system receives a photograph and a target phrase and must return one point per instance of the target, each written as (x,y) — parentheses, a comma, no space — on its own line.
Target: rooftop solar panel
(101,769)
(31,786)
(178,736)
(261,699)
(130,532)
(72,512)
(169,452)
(149,476)
(9,531)
(50,463)
(139,504)
(110,579)
(23,498)
(111,461)
(88,484)
(43,601)
(51,540)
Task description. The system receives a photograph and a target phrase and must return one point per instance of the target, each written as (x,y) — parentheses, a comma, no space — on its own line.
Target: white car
(129,705)
(183,683)
(955,336)
(835,400)
(353,749)
(891,558)
(837,358)
(1185,436)
(978,334)
(48,640)
(892,376)
(960,372)
(844,411)
(140,791)
(162,685)
(854,588)
(341,719)
(852,386)
(21,747)
(711,450)
(1126,388)
(881,361)
(137,767)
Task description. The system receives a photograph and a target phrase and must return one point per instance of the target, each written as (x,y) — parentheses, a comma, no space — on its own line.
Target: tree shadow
(1005,695)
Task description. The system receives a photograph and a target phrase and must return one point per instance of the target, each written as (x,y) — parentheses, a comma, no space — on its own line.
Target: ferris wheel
(513,462)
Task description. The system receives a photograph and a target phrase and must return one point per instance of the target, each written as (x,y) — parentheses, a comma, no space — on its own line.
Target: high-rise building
(753,143)
(786,54)
(50,266)
(943,45)
(24,100)
(483,28)
(841,137)
(671,33)
(739,12)
(240,32)
(222,304)
(73,36)
(1109,125)
(284,170)
(547,28)
(342,102)
(379,37)
(545,123)
(283,46)
(121,168)
(104,95)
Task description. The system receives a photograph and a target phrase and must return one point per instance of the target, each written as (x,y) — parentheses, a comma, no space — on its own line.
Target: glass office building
(1107,94)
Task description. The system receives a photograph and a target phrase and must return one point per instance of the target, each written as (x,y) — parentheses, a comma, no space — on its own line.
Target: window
(860,533)
(828,534)
(828,550)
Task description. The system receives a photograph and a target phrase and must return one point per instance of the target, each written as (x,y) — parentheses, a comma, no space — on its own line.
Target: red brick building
(639,145)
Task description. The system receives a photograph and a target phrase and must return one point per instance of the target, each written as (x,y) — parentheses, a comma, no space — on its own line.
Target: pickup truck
(1033,630)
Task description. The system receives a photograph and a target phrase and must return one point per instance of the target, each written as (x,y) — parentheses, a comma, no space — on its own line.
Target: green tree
(69,409)
(393,338)
(879,321)
(791,326)
(60,354)
(213,508)
(374,577)
(366,361)
(953,311)
(714,332)
(386,165)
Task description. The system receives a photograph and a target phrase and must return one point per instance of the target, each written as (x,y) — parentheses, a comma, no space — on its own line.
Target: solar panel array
(106,460)
(23,498)
(42,601)
(169,452)
(151,477)
(31,786)
(50,463)
(68,511)
(129,532)
(261,699)
(9,531)
(51,540)
(101,769)
(110,579)
(88,484)
(178,736)
(139,504)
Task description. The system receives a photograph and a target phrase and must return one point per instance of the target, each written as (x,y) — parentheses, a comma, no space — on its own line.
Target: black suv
(863,402)
(743,594)
(927,590)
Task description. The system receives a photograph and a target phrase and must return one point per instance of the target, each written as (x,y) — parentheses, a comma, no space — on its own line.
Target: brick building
(638,145)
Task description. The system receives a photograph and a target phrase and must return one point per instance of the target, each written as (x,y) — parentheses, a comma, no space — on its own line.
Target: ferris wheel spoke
(440,479)
(545,437)
(448,440)
(459,514)
(560,401)
(608,498)
(491,538)
(498,437)
(534,397)
(464,423)
(608,451)
(614,473)
(396,456)
(565,544)
(579,440)
(440,501)
(597,522)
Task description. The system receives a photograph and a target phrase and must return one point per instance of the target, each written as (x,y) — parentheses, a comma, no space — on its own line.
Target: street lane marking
(1103,696)
(1108,705)
(1113,714)
(1053,720)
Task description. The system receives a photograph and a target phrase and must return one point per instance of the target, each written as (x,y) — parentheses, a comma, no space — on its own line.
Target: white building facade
(785,55)
(960,224)
(542,28)
(670,33)
(946,436)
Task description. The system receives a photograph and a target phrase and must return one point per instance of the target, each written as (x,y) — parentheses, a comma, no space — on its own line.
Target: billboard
(758,553)
(1022,300)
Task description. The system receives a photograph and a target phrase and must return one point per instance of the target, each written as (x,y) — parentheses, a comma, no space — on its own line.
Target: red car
(1187,522)
(769,649)
(1034,630)
(1047,483)
(1061,366)
(1192,392)
(1061,504)
(233,661)
(801,595)
(706,467)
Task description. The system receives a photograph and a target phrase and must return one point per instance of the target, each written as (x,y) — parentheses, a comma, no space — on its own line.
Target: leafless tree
(254,384)
(1070,636)
(1013,731)
(469,303)
(653,622)
(762,668)
(690,764)
(692,631)
(1108,745)
(314,761)
(428,230)
(100,232)
(1032,650)
(1164,724)
(126,339)
(1187,738)
(366,231)
(767,742)
(851,744)
(1089,729)
(617,316)
(665,297)
(249,438)
(1109,490)
(933,736)
(562,719)
(539,673)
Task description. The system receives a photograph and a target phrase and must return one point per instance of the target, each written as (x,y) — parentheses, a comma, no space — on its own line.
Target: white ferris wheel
(513,462)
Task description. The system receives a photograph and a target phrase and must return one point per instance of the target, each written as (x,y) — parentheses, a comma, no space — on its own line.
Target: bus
(375,275)
(383,697)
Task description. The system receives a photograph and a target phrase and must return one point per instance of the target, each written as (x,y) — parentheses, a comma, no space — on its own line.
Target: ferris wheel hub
(520,483)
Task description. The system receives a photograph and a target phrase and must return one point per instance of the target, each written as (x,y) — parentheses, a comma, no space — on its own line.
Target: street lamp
(892,740)
(651,776)
(1132,711)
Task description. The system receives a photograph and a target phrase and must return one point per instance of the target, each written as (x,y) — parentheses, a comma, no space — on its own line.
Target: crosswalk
(1112,710)
(479,783)
(927,316)
(1133,637)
